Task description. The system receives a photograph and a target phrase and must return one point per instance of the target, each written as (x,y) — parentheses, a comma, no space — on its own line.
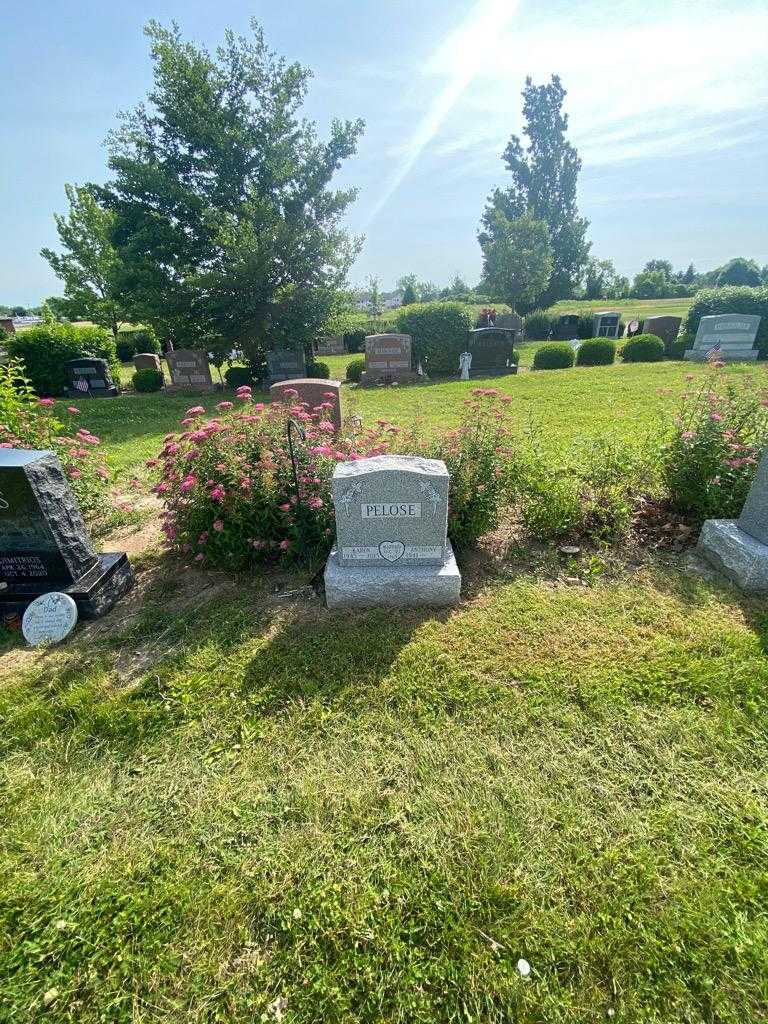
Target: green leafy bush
(355,370)
(643,348)
(131,340)
(679,345)
(555,355)
(321,371)
(439,332)
(354,341)
(714,301)
(719,434)
(586,326)
(238,376)
(538,325)
(125,348)
(596,352)
(147,380)
(45,349)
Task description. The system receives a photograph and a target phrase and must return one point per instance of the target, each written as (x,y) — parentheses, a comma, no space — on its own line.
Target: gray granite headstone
(606,324)
(90,378)
(739,547)
(189,370)
(285,364)
(566,327)
(729,337)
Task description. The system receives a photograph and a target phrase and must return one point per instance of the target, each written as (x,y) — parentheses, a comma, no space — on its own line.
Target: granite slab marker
(729,337)
(392,544)
(189,370)
(146,361)
(285,364)
(313,393)
(388,360)
(665,327)
(90,378)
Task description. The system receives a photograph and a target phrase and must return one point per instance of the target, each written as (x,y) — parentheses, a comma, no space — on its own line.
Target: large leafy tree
(224,219)
(544,176)
(89,264)
(517,260)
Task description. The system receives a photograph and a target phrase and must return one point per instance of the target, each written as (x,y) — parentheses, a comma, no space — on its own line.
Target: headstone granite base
(397,586)
(95,593)
(735,554)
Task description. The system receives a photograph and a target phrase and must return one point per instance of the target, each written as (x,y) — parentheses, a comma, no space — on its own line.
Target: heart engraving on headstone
(391,550)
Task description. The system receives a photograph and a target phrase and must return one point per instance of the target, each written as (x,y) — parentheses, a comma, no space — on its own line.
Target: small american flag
(80,385)
(715,350)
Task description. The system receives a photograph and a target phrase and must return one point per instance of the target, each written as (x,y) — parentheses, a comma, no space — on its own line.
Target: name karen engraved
(402,510)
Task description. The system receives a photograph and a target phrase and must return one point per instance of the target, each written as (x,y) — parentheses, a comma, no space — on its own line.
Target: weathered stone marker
(321,397)
(387,360)
(665,327)
(189,370)
(492,350)
(566,328)
(729,337)
(392,544)
(44,543)
(739,547)
(285,364)
(329,345)
(146,361)
(90,378)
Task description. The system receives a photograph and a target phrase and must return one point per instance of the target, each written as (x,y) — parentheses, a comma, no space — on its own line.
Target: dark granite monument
(189,370)
(388,360)
(566,328)
(44,543)
(511,322)
(90,378)
(665,327)
(285,364)
(492,350)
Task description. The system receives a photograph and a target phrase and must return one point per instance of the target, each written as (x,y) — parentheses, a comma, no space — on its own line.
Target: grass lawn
(219,804)
(629,308)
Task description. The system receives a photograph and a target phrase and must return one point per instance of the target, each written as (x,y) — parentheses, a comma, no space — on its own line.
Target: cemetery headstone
(7,325)
(330,345)
(44,543)
(465,365)
(739,547)
(49,619)
(511,322)
(606,324)
(189,370)
(285,364)
(492,351)
(392,544)
(665,327)
(387,360)
(566,327)
(90,378)
(146,361)
(322,398)
(729,337)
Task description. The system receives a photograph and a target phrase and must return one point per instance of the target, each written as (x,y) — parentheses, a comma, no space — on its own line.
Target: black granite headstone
(285,364)
(492,351)
(44,543)
(90,378)
(566,327)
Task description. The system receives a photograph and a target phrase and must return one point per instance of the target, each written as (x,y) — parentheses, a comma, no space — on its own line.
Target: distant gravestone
(392,544)
(510,322)
(146,361)
(189,370)
(322,398)
(49,619)
(606,324)
(90,378)
(729,337)
(387,360)
(285,364)
(739,547)
(44,543)
(665,327)
(330,345)
(492,350)
(566,327)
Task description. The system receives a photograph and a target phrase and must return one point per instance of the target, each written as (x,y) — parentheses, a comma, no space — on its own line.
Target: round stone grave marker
(49,619)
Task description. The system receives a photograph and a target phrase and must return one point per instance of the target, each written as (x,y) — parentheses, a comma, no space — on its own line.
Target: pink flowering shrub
(720,432)
(30,422)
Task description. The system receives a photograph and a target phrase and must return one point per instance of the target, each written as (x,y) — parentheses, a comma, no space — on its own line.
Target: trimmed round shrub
(556,355)
(238,377)
(125,348)
(46,348)
(596,352)
(439,332)
(355,370)
(321,371)
(714,301)
(643,348)
(147,380)
(538,325)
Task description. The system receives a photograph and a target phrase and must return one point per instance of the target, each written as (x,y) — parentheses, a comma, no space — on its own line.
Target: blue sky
(668,104)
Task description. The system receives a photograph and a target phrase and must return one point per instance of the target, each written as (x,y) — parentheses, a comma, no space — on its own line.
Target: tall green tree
(739,271)
(224,219)
(517,260)
(89,264)
(544,177)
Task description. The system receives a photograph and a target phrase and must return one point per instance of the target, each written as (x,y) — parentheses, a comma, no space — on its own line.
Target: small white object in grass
(523,968)
(297,914)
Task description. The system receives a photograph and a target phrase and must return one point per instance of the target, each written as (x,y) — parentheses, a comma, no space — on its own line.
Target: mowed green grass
(630,309)
(249,808)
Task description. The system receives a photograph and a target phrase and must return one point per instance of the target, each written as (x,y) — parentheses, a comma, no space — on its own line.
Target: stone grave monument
(189,370)
(510,322)
(44,543)
(90,378)
(566,328)
(146,361)
(387,360)
(665,327)
(606,324)
(285,364)
(312,392)
(729,337)
(330,345)
(492,350)
(392,544)
(738,548)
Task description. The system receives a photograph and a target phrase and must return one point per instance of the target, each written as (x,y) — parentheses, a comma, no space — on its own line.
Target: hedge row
(439,333)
